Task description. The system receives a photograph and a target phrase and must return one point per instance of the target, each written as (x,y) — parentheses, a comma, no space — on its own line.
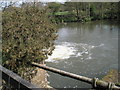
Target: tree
(86,11)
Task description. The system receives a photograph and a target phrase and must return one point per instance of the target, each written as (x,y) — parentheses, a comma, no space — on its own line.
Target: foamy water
(66,50)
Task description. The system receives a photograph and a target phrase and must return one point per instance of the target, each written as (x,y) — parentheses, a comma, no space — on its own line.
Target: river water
(89,49)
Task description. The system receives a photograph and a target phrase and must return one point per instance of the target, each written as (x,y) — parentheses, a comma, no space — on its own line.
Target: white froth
(61,52)
(67,50)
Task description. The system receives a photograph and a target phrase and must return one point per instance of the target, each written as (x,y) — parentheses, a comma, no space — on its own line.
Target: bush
(27,36)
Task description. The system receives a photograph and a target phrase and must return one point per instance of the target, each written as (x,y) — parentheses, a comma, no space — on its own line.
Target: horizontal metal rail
(15,80)
(96,83)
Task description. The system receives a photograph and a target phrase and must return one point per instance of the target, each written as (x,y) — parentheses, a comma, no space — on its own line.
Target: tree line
(84,11)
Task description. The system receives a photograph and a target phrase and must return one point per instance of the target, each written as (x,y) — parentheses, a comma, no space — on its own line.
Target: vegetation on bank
(112,76)
(83,11)
(27,36)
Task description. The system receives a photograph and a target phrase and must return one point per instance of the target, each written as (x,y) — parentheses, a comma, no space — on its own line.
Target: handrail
(15,80)
(96,83)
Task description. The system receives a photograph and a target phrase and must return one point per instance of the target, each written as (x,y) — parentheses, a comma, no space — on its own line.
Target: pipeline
(95,82)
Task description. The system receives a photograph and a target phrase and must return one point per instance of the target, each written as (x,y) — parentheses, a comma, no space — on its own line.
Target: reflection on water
(88,49)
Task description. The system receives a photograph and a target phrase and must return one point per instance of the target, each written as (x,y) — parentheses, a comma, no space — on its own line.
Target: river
(89,49)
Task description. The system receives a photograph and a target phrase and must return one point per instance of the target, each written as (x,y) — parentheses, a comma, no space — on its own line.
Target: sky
(7,2)
(53,0)
(4,3)
(66,0)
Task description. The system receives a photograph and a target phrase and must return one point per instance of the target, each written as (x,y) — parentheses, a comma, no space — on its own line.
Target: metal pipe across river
(96,83)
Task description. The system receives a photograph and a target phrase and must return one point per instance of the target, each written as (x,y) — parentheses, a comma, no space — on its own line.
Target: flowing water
(89,49)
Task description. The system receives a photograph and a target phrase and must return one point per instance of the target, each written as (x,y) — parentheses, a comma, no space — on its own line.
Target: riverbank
(112,76)
(83,12)
(40,79)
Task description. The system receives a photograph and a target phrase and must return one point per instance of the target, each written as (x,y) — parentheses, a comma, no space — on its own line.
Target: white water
(66,50)
(86,50)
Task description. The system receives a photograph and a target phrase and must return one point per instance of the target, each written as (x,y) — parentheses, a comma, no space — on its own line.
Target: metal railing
(16,81)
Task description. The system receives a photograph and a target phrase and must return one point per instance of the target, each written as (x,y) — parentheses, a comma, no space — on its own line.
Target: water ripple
(67,49)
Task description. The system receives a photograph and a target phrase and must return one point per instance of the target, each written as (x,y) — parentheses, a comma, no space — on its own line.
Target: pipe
(95,82)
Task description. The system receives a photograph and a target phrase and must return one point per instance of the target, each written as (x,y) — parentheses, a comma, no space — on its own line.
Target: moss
(117,84)
(112,76)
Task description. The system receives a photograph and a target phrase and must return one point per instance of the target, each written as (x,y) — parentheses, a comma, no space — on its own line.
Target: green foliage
(85,11)
(27,35)
(64,16)
(61,13)
(54,6)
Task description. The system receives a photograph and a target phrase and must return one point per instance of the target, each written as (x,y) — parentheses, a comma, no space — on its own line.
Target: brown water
(89,49)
